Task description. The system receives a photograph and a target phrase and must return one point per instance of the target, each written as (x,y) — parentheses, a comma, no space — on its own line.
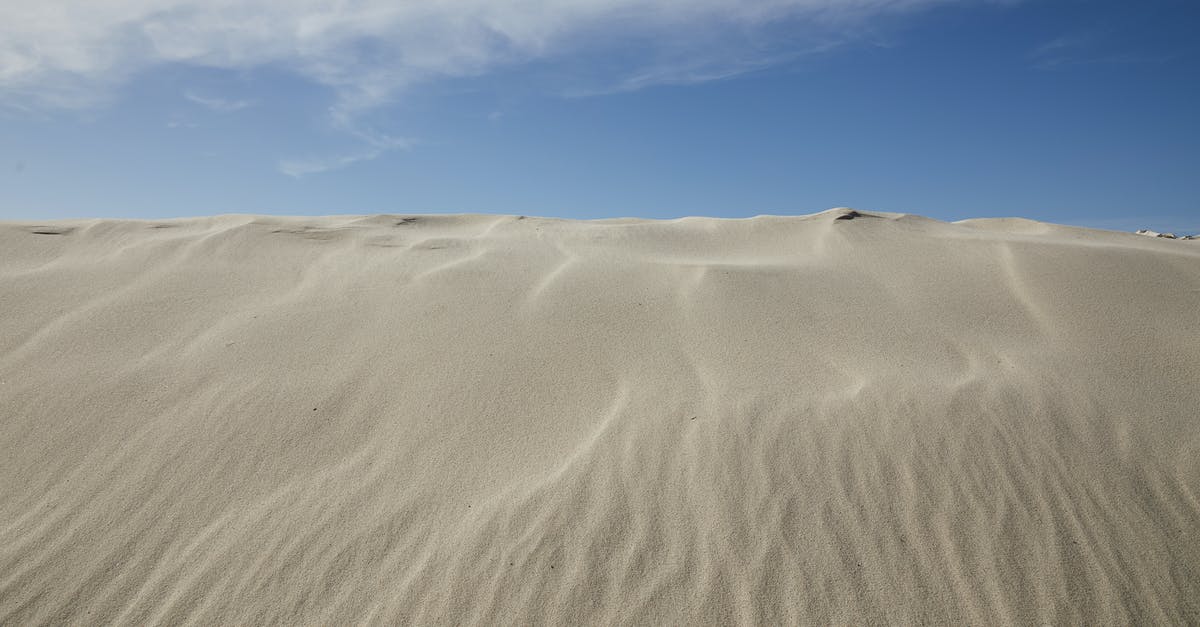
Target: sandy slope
(481,419)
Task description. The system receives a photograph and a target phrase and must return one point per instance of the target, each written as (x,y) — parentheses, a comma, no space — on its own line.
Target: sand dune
(483,419)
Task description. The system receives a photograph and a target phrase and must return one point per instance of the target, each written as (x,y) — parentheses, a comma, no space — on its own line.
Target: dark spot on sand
(49,230)
(403,221)
(849,215)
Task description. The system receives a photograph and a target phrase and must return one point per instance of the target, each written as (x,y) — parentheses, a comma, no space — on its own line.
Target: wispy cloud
(299,168)
(1067,50)
(217,104)
(686,69)
(368,53)
(71,52)
(377,147)
(1087,48)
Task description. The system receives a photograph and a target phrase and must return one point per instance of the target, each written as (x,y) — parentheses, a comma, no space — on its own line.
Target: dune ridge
(503,419)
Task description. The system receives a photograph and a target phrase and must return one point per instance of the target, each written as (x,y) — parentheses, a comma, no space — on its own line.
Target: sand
(505,420)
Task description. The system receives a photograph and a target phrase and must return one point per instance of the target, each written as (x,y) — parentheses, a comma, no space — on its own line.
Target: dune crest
(848,417)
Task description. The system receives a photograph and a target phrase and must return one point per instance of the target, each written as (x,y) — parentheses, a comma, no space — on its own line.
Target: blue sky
(1069,111)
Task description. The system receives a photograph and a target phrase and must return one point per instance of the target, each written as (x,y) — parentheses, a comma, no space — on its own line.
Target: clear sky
(1071,111)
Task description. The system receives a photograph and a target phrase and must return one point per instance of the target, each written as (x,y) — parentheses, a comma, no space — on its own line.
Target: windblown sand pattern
(503,420)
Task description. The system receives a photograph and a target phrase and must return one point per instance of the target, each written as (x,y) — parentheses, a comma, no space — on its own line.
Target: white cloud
(1064,50)
(217,104)
(299,168)
(377,147)
(1092,48)
(77,53)
(74,52)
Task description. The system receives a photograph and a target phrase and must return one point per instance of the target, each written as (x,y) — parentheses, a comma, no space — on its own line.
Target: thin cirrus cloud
(299,168)
(1091,48)
(376,146)
(214,103)
(70,52)
(368,53)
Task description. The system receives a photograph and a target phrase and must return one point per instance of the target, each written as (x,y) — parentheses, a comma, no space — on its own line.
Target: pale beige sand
(481,419)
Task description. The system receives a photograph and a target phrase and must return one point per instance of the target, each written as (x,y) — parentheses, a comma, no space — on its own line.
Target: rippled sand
(482,419)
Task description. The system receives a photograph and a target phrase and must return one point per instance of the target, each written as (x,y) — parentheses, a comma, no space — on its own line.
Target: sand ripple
(481,420)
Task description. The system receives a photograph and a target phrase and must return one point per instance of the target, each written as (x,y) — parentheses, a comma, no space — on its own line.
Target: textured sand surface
(482,419)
